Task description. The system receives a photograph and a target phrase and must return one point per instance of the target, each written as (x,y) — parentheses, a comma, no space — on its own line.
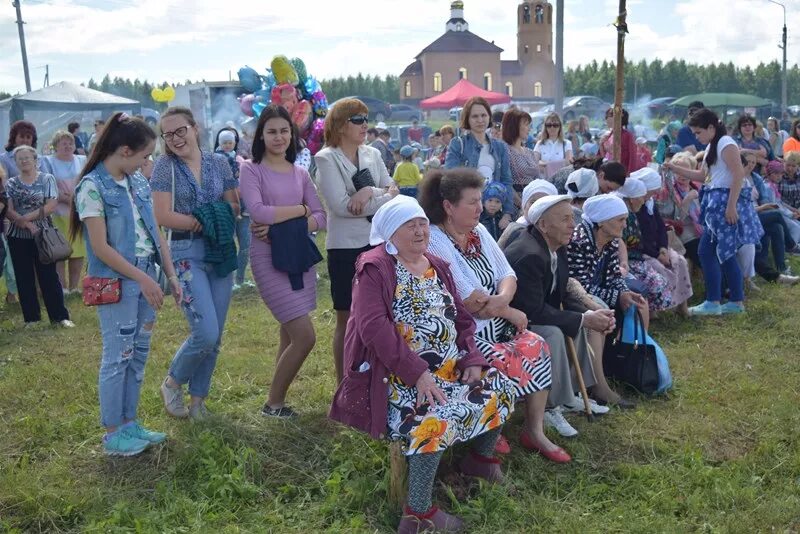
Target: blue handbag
(630,335)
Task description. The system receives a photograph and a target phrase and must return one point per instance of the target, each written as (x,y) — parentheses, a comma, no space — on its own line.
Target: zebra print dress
(528,374)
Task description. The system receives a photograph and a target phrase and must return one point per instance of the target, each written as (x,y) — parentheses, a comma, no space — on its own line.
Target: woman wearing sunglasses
(190,185)
(354,182)
(552,151)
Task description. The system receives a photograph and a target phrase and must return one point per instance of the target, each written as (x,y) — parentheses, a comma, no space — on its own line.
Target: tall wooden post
(619,92)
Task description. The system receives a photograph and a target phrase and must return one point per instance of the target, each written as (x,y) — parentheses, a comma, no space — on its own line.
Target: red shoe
(502,446)
(558,456)
(475,465)
(434,520)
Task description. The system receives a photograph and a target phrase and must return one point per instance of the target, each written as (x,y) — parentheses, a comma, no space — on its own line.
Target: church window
(487,81)
(408,89)
(537,89)
(462,73)
(538,48)
(437,82)
(526,14)
(539,13)
(509,89)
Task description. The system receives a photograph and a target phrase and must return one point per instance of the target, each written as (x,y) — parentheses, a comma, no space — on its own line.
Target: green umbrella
(724,100)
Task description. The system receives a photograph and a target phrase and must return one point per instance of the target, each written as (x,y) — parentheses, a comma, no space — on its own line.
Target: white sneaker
(555,419)
(577,406)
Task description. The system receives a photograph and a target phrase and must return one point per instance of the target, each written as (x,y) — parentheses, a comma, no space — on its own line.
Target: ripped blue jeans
(126,328)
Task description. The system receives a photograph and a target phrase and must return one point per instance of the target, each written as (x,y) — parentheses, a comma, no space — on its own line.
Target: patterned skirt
(730,237)
(525,359)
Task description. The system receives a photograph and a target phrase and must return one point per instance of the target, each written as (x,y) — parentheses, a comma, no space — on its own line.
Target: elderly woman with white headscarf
(532,192)
(581,185)
(593,253)
(412,370)
(650,257)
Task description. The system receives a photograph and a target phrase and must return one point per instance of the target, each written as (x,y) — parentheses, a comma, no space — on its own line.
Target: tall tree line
(677,78)
(655,78)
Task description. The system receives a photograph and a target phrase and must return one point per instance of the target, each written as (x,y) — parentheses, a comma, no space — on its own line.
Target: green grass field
(721,453)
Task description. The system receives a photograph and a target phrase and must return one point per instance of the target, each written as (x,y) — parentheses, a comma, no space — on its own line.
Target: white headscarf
(601,208)
(652,180)
(392,216)
(538,209)
(536,187)
(633,188)
(585,181)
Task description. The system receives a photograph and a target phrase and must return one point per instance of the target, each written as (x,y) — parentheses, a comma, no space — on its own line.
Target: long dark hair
(703,118)
(259,148)
(119,130)
(235,137)
(20,127)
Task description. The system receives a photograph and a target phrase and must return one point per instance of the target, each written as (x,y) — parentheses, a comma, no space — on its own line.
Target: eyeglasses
(553,125)
(498,125)
(358,120)
(179,132)
(25,159)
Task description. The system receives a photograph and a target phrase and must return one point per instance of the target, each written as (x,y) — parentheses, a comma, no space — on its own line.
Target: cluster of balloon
(287,84)
(167,94)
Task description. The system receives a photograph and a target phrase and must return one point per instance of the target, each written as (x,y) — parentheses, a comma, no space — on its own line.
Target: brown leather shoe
(475,465)
(434,520)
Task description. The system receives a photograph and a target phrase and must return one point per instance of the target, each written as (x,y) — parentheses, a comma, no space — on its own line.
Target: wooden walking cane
(573,356)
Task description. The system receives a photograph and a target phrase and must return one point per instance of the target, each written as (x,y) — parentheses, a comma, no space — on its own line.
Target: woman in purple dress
(276,191)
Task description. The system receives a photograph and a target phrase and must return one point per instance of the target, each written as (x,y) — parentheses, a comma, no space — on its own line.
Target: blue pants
(243,239)
(776,231)
(206,297)
(713,270)
(126,328)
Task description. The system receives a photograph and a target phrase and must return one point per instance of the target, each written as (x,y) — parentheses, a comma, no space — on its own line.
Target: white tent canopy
(52,108)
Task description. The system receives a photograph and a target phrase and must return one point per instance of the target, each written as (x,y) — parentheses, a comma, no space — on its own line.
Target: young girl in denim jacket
(114,210)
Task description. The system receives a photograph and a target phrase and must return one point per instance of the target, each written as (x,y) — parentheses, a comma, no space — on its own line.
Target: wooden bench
(398,475)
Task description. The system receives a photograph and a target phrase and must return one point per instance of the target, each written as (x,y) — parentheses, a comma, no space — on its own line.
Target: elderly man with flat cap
(539,258)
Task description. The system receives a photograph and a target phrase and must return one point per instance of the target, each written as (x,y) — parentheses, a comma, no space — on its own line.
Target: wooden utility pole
(619,92)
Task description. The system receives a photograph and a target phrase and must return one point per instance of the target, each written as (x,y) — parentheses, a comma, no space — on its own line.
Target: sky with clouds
(175,40)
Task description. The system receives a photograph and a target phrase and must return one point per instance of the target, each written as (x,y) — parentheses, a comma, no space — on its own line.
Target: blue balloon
(250,79)
(258,107)
(269,80)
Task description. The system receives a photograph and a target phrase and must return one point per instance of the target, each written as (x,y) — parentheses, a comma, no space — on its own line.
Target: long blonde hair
(543,135)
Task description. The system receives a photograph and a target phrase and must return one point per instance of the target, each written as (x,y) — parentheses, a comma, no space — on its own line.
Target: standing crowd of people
(460,282)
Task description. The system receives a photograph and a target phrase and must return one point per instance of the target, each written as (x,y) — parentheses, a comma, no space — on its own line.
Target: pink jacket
(361,401)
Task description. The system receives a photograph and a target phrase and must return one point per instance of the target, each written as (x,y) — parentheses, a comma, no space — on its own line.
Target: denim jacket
(120,226)
(465,150)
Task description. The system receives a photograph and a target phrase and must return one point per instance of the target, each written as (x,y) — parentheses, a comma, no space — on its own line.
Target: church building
(459,53)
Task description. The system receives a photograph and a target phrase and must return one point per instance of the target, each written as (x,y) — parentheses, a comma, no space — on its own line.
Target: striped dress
(529,369)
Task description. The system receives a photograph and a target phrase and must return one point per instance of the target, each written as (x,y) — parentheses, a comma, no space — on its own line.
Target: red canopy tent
(459,94)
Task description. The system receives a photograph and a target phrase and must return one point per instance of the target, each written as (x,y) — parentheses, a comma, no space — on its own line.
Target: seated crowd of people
(459,291)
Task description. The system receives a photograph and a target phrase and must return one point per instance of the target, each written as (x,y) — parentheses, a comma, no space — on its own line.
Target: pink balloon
(246,104)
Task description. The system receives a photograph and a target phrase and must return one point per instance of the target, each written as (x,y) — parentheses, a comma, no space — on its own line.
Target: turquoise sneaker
(731,307)
(706,308)
(121,443)
(134,429)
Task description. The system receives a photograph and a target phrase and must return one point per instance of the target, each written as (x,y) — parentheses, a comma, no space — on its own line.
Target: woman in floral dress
(412,370)
(486,282)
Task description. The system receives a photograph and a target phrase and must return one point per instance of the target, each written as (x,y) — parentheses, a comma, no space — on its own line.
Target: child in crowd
(417,157)
(406,174)
(643,152)
(589,147)
(227,144)
(492,216)
(114,210)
